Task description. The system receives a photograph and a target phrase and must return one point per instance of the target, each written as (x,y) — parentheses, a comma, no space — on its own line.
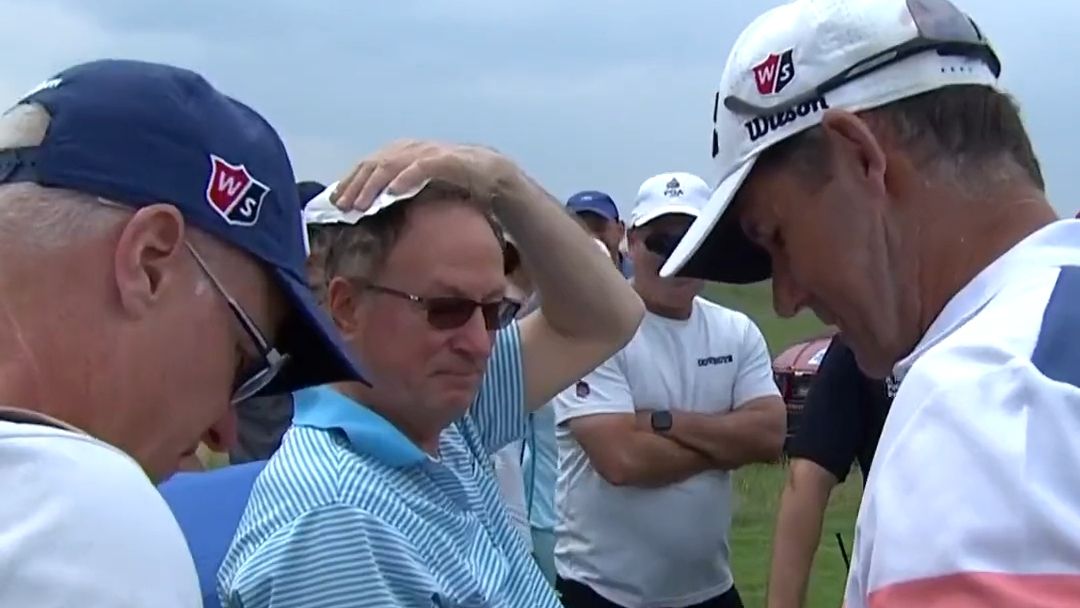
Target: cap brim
(715,247)
(666,210)
(317,354)
(602,213)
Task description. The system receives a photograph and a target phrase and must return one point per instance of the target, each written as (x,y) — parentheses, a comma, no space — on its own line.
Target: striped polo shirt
(350,512)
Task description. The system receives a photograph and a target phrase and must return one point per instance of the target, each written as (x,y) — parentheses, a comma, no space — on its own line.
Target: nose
(222,435)
(473,338)
(788,297)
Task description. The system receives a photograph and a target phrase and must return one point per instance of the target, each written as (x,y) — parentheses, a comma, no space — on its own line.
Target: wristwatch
(661,421)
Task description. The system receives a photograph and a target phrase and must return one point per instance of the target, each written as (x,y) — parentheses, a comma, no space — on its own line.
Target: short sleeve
(605,390)
(755,375)
(81,525)
(334,556)
(499,409)
(830,424)
(974,476)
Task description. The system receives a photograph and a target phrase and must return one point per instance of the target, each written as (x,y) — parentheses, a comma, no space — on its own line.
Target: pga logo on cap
(234,193)
(773,74)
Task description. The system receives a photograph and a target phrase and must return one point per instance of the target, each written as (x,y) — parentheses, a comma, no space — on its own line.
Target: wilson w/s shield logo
(234,193)
(775,73)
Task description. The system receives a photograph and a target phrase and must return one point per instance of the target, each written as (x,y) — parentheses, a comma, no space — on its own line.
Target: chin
(457,396)
(874,363)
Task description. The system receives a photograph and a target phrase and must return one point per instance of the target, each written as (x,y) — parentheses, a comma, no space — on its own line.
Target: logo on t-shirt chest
(715,360)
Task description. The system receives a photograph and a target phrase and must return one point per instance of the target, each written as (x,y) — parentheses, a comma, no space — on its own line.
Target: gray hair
(359,251)
(41,217)
(969,136)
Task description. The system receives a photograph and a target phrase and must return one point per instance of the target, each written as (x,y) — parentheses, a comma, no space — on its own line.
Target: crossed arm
(625,451)
(752,433)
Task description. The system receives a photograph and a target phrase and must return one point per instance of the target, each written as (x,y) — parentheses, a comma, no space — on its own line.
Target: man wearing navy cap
(151,275)
(600,215)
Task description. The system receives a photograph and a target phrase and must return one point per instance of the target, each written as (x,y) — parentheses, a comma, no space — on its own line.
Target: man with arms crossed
(151,275)
(840,424)
(385,495)
(648,439)
(893,187)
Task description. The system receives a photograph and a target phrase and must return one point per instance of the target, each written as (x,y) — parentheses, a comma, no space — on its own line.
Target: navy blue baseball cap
(592,201)
(142,133)
(308,190)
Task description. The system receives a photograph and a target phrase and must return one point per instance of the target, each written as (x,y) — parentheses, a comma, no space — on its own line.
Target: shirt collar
(322,407)
(1057,244)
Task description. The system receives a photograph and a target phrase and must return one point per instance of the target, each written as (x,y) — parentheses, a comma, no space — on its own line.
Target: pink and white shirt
(974,498)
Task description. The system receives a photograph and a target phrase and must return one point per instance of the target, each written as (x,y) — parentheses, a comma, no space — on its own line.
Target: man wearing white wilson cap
(648,439)
(865,148)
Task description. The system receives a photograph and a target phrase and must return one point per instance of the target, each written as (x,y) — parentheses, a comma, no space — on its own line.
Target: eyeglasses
(273,360)
(942,28)
(511,259)
(451,312)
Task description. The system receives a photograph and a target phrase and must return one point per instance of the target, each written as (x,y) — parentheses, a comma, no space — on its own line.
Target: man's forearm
(583,294)
(747,435)
(649,461)
(798,532)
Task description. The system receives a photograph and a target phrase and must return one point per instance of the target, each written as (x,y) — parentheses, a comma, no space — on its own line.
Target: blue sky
(585,95)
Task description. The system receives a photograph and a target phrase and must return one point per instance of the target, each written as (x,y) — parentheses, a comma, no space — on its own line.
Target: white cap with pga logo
(795,62)
(669,193)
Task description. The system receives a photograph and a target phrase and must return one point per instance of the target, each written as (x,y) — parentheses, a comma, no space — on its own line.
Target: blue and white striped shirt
(350,512)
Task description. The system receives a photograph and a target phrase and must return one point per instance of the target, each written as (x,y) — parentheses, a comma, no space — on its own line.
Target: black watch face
(661,421)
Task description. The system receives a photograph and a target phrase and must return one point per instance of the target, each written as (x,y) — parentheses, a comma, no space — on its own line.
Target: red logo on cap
(773,74)
(234,193)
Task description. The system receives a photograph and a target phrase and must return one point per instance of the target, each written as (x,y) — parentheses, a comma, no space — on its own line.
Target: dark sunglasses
(942,27)
(450,312)
(511,259)
(663,244)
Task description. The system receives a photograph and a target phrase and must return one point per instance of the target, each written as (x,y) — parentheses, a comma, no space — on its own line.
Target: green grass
(758,488)
(756,301)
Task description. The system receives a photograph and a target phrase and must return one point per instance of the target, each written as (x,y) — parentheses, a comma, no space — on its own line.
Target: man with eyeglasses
(872,166)
(647,441)
(385,495)
(151,266)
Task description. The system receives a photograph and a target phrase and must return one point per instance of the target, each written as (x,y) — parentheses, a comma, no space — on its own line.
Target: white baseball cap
(792,64)
(667,194)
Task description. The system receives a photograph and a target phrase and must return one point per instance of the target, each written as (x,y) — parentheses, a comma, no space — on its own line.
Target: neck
(426,438)
(965,238)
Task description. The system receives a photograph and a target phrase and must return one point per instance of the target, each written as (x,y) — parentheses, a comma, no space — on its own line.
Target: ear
(148,259)
(343,302)
(851,143)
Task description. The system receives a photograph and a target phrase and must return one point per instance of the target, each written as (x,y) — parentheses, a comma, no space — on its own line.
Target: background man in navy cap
(600,215)
(151,275)
(261,421)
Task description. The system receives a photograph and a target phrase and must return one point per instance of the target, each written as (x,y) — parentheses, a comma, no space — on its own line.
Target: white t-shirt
(508,473)
(974,497)
(667,546)
(81,525)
